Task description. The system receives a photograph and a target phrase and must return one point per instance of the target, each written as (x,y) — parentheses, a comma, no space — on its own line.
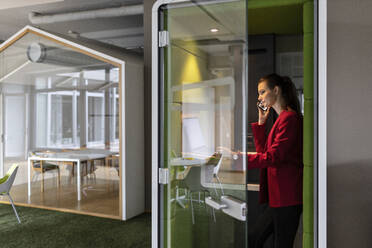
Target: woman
(279,156)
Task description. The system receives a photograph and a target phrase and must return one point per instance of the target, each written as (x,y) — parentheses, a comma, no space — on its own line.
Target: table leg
(29,177)
(78,180)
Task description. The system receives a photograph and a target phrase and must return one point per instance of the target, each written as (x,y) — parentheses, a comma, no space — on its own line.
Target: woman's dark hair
(289,92)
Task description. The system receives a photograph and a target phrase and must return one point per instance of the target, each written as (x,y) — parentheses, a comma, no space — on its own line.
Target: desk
(187,162)
(75,156)
(230,179)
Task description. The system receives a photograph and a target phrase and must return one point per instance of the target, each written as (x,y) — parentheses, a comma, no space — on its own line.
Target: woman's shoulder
(288,115)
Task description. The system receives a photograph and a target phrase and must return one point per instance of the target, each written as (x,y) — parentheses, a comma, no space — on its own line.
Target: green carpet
(44,228)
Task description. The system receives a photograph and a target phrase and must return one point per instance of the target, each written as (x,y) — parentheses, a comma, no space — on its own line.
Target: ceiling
(191,25)
(187,23)
(121,31)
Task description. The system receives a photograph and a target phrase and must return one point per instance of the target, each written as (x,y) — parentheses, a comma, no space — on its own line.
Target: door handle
(230,206)
(214,204)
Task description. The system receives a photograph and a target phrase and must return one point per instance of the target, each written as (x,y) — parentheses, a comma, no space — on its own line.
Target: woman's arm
(284,140)
(259,136)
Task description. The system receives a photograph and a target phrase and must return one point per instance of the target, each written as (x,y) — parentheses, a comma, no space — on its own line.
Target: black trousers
(282,222)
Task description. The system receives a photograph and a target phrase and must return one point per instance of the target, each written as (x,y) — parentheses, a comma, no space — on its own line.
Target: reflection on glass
(209,102)
(61,120)
(204,123)
(96,118)
(58,104)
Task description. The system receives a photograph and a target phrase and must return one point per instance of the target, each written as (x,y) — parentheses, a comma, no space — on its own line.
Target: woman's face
(265,95)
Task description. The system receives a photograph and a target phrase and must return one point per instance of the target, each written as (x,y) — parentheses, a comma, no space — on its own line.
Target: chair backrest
(8,179)
(193,179)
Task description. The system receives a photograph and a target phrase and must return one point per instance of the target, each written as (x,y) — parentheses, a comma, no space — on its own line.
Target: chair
(113,161)
(192,183)
(86,168)
(43,167)
(6,183)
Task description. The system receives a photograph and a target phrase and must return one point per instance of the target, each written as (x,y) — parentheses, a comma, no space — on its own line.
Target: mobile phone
(261,106)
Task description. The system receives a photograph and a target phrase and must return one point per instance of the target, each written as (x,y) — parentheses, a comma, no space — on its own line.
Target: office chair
(6,184)
(192,184)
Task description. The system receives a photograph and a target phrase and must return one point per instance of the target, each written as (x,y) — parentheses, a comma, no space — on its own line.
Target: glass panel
(61,104)
(210,101)
(96,120)
(204,121)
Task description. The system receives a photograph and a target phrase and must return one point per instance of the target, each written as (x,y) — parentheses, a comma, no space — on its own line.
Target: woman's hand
(239,154)
(262,115)
(235,155)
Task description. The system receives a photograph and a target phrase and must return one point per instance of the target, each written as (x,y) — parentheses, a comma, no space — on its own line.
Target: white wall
(349,110)
(14,125)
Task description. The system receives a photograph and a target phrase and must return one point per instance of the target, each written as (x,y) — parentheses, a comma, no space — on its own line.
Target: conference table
(77,156)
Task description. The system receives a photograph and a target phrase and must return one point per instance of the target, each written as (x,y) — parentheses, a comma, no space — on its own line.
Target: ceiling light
(214,30)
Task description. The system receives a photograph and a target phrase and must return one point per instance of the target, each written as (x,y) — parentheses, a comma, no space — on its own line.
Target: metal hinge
(244,211)
(163,176)
(163,38)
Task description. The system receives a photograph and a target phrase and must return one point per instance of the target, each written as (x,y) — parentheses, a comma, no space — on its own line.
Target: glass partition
(209,73)
(204,107)
(60,109)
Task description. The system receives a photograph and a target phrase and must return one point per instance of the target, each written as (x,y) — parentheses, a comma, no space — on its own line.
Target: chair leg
(214,215)
(14,209)
(205,204)
(192,209)
(34,177)
(86,170)
(178,200)
(72,174)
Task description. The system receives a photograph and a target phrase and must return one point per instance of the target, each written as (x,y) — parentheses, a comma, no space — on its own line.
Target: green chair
(6,183)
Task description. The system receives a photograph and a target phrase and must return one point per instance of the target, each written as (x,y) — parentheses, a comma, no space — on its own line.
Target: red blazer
(279,156)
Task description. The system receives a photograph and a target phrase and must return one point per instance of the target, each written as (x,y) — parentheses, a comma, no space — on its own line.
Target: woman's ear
(276,90)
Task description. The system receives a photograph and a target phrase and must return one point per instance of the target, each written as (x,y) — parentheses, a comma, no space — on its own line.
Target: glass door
(203,105)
